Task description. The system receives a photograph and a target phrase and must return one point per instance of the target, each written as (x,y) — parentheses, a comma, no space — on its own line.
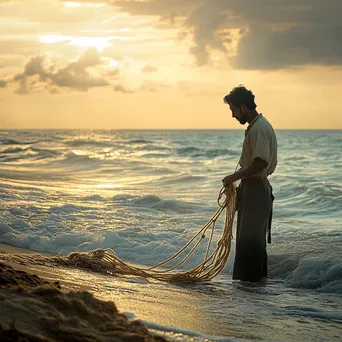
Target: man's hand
(228,180)
(253,169)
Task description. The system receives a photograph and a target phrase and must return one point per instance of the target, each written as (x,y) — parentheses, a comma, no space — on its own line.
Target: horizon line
(165,129)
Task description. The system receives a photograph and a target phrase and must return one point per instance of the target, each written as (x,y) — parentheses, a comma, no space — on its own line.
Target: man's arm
(256,166)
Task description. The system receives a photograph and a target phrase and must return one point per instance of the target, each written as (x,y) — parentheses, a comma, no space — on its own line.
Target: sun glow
(72,4)
(98,42)
(112,63)
(54,38)
(77,4)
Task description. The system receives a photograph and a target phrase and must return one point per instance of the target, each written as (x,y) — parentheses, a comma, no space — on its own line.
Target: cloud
(168,9)
(3,83)
(145,86)
(262,48)
(248,34)
(121,89)
(75,75)
(276,33)
(279,33)
(149,68)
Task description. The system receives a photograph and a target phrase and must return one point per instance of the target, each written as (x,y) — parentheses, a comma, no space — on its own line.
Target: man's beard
(242,120)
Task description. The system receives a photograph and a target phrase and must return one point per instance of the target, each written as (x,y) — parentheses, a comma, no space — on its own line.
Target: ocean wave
(13,142)
(152,148)
(188,150)
(316,313)
(67,208)
(188,179)
(18,142)
(28,152)
(310,199)
(122,198)
(156,203)
(13,150)
(206,153)
(72,158)
(221,153)
(91,142)
(155,155)
(138,141)
(8,159)
(45,153)
(9,142)
(94,198)
(134,243)
(323,275)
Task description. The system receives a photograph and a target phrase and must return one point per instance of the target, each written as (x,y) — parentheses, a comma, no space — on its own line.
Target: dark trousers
(254,206)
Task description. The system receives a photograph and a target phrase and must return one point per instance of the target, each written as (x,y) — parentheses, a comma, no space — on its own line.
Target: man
(254,195)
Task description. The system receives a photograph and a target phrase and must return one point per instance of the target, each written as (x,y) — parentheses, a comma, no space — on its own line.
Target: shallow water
(145,193)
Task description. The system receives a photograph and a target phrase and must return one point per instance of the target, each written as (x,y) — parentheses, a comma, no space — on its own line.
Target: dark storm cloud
(262,48)
(276,33)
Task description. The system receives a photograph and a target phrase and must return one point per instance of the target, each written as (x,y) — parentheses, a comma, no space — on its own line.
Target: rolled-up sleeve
(260,145)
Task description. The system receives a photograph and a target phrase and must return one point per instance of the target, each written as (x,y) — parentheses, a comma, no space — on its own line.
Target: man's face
(239,113)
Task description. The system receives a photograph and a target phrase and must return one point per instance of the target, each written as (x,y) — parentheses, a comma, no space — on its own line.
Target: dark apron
(255,209)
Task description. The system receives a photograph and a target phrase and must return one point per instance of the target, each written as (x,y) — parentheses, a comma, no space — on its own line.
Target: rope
(105,260)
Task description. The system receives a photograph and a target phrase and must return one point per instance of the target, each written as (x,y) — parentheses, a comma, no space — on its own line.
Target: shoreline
(14,249)
(151,301)
(33,309)
(48,273)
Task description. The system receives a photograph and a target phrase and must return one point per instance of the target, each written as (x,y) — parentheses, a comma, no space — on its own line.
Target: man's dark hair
(240,96)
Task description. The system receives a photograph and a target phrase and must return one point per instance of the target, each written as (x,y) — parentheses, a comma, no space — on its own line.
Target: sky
(167,64)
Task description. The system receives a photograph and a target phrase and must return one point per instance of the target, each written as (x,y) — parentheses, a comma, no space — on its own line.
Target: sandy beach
(35,309)
(133,296)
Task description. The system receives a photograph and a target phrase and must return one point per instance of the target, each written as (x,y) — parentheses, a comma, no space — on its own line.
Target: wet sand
(149,300)
(33,309)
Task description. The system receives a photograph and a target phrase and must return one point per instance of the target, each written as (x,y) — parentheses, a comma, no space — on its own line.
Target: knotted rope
(105,260)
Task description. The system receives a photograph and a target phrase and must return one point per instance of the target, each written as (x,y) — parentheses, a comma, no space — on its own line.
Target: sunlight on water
(145,193)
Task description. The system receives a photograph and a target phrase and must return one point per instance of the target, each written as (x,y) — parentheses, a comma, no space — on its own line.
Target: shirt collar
(253,122)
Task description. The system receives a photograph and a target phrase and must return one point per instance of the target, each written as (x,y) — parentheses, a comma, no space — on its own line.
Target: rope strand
(105,260)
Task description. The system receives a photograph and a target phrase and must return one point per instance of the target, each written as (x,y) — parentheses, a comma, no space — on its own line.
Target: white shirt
(260,142)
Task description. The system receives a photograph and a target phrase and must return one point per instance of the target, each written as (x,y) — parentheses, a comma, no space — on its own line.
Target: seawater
(145,193)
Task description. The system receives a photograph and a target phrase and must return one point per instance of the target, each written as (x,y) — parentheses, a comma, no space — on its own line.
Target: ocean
(145,193)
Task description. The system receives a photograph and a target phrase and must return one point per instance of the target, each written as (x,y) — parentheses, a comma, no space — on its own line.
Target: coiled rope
(105,260)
